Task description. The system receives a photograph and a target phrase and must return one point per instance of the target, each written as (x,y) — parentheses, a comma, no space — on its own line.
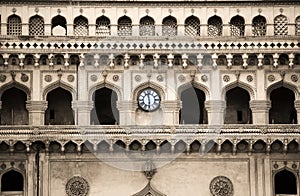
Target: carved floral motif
(77,186)
(221,186)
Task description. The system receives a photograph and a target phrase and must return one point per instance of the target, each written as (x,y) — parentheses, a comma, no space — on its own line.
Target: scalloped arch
(196,85)
(282,84)
(103,85)
(17,85)
(144,85)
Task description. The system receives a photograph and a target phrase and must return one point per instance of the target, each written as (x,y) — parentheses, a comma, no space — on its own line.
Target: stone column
(114,30)
(260,111)
(226,30)
(171,112)
(215,111)
(248,30)
(126,112)
(297,107)
(82,112)
(36,111)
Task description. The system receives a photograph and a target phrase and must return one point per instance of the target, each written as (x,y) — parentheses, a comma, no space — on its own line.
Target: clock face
(149,100)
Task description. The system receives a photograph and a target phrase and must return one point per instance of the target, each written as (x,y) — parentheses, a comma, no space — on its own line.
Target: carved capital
(215,105)
(297,105)
(171,105)
(36,106)
(82,105)
(126,105)
(260,105)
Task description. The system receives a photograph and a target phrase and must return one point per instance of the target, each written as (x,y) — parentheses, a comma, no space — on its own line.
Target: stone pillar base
(36,111)
(126,112)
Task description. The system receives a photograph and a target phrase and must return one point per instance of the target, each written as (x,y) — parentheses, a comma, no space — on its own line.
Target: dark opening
(12,181)
(237,107)
(282,109)
(285,183)
(105,110)
(14,110)
(59,111)
(193,110)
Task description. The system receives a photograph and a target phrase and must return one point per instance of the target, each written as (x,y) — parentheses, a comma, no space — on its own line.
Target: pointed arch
(259,26)
(192,26)
(108,85)
(196,85)
(144,85)
(12,179)
(36,25)
(282,84)
(124,26)
(280,25)
(169,26)
(81,26)
(58,84)
(59,21)
(237,26)
(215,26)
(16,85)
(14,25)
(147,26)
(103,26)
(242,85)
(285,182)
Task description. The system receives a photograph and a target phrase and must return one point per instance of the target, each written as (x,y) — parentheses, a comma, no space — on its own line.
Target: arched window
(59,111)
(36,25)
(297,26)
(285,183)
(14,25)
(59,25)
(192,26)
(103,26)
(169,26)
(81,26)
(280,25)
(13,111)
(12,181)
(237,107)
(105,110)
(124,26)
(259,26)
(282,107)
(215,26)
(147,26)
(237,26)
(193,110)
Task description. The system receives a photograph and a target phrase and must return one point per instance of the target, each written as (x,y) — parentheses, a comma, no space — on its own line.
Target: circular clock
(149,100)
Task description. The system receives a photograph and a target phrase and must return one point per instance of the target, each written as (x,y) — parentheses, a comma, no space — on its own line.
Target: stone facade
(72,78)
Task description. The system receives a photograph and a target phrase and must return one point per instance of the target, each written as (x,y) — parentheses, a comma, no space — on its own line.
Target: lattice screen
(81,26)
(14,26)
(147,27)
(124,26)
(215,26)
(169,26)
(297,23)
(237,26)
(36,25)
(103,26)
(259,26)
(280,25)
(192,26)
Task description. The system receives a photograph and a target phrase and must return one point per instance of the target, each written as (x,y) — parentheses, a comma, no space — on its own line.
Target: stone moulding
(149,190)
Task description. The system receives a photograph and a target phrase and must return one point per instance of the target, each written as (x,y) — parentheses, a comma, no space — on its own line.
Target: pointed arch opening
(12,183)
(103,26)
(237,26)
(282,106)
(193,110)
(297,26)
(105,110)
(36,26)
(215,26)
(237,107)
(192,26)
(13,110)
(259,26)
(169,26)
(59,25)
(59,111)
(14,25)
(280,25)
(81,26)
(124,26)
(285,183)
(147,26)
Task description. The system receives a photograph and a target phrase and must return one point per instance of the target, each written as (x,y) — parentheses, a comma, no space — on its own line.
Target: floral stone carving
(221,186)
(77,186)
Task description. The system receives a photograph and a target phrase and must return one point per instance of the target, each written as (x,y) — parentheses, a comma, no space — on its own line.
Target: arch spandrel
(109,85)
(196,85)
(250,89)
(161,90)
(58,84)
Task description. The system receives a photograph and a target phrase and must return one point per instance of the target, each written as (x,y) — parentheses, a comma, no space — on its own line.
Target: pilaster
(36,111)
(126,112)
(82,112)
(171,112)
(297,107)
(215,111)
(260,111)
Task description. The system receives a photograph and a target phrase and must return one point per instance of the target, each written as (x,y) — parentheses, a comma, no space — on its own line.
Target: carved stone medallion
(226,78)
(2,78)
(294,78)
(71,78)
(160,78)
(138,78)
(24,78)
(77,186)
(221,186)
(271,78)
(115,78)
(48,78)
(249,78)
(181,78)
(204,78)
(94,78)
